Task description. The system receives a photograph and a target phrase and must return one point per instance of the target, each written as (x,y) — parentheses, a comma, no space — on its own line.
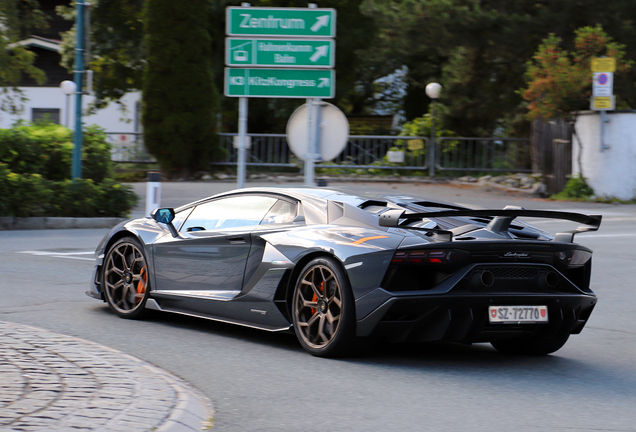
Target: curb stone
(498,186)
(53,382)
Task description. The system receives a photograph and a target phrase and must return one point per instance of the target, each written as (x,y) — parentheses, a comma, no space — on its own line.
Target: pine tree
(179,97)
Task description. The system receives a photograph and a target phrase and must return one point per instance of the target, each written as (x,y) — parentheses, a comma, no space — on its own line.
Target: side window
(281,212)
(180,217)
(232,212)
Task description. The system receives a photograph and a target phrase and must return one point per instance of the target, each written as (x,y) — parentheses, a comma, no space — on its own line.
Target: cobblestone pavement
(52,382)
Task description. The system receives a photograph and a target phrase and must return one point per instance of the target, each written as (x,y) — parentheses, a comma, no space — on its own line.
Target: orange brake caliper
(141,286)
(315,297)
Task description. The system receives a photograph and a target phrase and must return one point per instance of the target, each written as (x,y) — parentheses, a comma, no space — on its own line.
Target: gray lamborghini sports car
(333,266)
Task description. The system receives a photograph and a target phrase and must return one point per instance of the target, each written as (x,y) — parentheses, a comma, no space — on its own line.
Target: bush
(35,171)
(116,199)
(96,162)
(47,149)
(576,188)
(23,195)
(28,195)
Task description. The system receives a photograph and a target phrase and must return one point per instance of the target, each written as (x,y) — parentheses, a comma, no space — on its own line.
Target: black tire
(532,346)
(125,278)
(323,309)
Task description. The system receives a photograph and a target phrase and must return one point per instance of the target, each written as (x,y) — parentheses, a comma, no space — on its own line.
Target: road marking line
(71,257)
(67,255)
(604,235)
(56,253)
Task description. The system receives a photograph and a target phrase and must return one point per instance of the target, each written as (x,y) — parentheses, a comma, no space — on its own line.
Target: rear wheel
(532,346)
(323,309)
(125,278)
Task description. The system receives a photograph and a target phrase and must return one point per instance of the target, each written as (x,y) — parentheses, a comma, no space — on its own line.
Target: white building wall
(611,172)
(111,118)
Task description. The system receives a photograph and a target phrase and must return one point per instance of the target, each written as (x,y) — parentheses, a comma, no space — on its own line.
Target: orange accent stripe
(363,239)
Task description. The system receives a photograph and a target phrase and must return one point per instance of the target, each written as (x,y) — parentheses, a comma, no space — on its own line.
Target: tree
(117,55)
(17,18)
(560,81)
(478,50)
(179,97)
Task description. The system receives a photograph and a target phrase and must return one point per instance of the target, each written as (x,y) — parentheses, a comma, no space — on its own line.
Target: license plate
(517,314)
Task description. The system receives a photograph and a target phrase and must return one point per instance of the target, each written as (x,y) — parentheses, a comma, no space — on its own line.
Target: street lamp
(68,88)
(432,90)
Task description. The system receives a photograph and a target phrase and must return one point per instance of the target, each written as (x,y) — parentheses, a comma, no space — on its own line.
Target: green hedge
(35,171)
(47,149)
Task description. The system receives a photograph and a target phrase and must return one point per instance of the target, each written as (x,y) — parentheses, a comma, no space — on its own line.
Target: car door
(208,258)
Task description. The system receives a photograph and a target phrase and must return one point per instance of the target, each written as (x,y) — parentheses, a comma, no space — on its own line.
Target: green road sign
(310,53)
(283,83)
(249,21)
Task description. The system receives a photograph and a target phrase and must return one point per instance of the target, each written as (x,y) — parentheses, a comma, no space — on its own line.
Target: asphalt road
(259,381)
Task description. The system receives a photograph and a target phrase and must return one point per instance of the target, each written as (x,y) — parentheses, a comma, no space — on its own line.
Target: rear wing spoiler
(500,223)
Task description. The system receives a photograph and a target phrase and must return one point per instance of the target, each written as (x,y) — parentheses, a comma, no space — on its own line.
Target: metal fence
(483,154)
(263,150)
(362,152)
(128,147)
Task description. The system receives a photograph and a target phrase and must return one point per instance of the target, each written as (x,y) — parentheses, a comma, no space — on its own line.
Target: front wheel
(125,278)
(532,346)
(323,309)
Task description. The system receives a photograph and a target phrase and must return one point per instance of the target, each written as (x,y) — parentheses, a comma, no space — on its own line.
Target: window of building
(45,115)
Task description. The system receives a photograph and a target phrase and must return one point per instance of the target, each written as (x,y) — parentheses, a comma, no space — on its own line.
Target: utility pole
(79,77)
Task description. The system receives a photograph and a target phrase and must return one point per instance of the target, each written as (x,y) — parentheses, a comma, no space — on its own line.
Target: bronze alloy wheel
(323,309)
(126,278)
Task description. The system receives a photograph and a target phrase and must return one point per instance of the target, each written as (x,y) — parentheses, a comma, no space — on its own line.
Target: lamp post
(68,88)
(433,91)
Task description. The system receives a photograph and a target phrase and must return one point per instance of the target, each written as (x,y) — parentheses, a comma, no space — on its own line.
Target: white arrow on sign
(321,21)
(324,82)
(321,51)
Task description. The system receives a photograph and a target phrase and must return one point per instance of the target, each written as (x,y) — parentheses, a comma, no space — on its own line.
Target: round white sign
(333,131)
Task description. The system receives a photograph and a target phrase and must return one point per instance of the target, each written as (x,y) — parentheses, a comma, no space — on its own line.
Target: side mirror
(165,216)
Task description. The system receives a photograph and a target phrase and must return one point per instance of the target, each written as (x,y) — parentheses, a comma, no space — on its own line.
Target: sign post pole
(317,129)
(603,91)
(240,175)
(284,53)
(604,119)
(309,157)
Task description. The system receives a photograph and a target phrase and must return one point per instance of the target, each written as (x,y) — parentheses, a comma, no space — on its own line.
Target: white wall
(112,119)
(611,172)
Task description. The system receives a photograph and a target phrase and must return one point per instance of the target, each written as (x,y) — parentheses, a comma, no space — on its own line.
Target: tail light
(430,257)
(574,257)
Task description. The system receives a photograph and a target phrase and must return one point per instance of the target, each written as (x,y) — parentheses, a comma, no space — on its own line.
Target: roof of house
(40,42)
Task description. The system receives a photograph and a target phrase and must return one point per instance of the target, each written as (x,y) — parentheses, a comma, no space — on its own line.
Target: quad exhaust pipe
(549,280)
(486,279)
(482,279)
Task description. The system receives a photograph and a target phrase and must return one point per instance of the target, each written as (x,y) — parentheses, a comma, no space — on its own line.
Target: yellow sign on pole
(603,64)
(601,103)
(415,144)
